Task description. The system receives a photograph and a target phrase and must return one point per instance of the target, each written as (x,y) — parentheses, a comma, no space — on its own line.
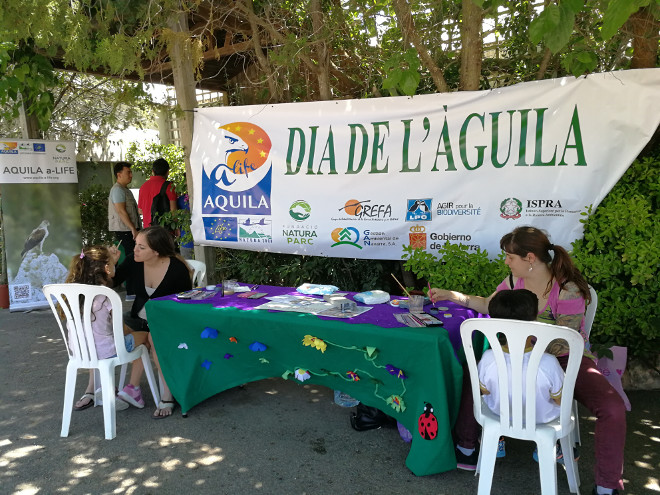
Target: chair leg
(109,406)
(69,392)
(547,452)
(122,376)
(576,430)
(153,385)
(487,456)
(572,473)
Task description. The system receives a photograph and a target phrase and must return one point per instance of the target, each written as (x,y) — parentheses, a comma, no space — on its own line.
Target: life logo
(346,236)
(237,174)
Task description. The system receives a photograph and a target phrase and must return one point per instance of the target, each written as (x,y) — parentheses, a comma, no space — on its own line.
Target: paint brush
(429,284)
(400,285)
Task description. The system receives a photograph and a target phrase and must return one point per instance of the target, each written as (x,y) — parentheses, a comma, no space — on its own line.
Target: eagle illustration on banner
(239,159)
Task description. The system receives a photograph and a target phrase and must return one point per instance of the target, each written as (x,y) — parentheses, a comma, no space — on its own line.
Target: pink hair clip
(82,253)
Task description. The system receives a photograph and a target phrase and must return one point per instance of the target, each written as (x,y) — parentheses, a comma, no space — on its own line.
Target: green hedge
(620,257)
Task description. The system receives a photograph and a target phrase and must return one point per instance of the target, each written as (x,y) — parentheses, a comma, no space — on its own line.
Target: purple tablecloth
(381,315)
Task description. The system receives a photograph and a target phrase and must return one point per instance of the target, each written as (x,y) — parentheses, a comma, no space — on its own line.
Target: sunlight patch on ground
(170,464)
(652,484)
(5,442)
(271,392)
(11,455)
(26,489)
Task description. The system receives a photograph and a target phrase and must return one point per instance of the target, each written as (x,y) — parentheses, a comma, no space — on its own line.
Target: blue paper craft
(209,333)
(207,364)
(258,347)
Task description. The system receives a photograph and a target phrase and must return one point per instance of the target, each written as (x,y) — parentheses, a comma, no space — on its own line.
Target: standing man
(123,216)
(152,188)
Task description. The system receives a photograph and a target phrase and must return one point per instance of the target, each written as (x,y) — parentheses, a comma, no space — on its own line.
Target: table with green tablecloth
(207,346)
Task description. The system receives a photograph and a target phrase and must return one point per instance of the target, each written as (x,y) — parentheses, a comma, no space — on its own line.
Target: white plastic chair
(517,418)
(589,317)
(199,272)
(75,300)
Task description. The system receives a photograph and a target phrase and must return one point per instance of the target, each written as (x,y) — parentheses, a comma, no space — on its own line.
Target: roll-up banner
(40,215)
(362,178)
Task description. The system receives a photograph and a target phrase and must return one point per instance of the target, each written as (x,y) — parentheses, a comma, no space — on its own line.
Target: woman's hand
(440,295)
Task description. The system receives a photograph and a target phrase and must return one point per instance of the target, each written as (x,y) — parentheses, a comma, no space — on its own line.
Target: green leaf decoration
(372,352)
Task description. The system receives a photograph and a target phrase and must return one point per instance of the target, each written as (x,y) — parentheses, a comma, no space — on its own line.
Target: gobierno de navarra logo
(238,162)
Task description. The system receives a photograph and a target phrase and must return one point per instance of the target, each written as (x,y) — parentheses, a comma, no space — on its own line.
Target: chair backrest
(199,272)
(75,302)
(518,417)
(590,314)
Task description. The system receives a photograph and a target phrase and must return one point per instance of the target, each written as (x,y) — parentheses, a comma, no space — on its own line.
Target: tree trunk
(410,35)
(646,31)
(321,49)
(261,56)
(471,46)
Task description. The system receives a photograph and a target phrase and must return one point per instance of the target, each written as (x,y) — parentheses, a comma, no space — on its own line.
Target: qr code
(21,292)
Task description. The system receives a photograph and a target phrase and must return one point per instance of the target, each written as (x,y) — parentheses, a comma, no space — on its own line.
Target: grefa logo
(362,209)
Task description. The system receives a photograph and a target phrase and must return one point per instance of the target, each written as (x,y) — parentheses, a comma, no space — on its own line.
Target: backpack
(160,204)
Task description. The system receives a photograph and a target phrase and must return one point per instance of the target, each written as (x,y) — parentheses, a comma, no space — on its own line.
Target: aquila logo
(238,162)
(346,235)
(510,208)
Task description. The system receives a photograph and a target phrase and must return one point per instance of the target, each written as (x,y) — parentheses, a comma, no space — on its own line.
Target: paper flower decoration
(264,360)
(258,347)
(302,374)
(183,345)
(396,402)
(207,364)
(233,339)
(314,342)
(228,356)
(393,370)
(372,352)
(353,376)
(209,333)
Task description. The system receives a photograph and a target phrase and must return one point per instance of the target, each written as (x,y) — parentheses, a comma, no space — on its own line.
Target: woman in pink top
(548,271)
(95,265)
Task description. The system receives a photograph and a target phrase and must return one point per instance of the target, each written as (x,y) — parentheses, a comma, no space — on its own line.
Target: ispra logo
(346,235)
(300,210)
(238,162)
(510,208)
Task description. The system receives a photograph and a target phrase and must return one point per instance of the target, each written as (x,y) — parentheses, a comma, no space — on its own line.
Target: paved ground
(270,437)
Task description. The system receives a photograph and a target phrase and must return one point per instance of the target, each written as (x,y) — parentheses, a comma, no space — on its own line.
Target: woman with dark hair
(156,270)
(548,271)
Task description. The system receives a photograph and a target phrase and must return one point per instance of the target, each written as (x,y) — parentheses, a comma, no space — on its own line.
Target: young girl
(95,265)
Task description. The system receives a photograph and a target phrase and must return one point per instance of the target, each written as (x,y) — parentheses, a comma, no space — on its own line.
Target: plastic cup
(416,304)
(228,287)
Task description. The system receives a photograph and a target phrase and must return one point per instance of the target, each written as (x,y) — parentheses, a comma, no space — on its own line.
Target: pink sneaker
(132,395)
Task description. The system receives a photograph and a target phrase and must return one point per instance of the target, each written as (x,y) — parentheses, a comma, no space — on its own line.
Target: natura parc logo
(236,176)
(300,210)
(510,208)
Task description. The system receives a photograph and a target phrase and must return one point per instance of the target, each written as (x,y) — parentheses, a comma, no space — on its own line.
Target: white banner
(361,178)
(40,216)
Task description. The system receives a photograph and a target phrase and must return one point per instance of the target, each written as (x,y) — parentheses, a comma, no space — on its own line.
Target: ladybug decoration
(428,424)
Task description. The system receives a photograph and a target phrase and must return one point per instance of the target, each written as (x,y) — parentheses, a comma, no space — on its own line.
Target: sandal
(90,397)
(162,405)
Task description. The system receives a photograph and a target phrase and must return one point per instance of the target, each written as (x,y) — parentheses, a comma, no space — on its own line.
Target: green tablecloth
(198,364)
